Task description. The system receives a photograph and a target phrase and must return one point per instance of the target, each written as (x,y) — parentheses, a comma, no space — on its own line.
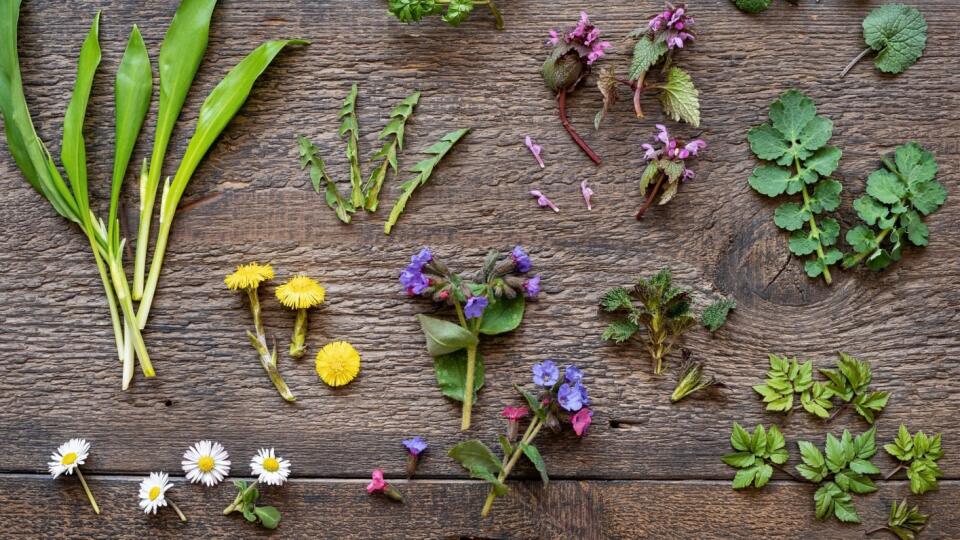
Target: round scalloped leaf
(826,196)
(769,180)
(898,33)
(791,216)
(824,161)
(767,143)
(927,197)
(870,210)
(829,231)
(885,186)
(802,244)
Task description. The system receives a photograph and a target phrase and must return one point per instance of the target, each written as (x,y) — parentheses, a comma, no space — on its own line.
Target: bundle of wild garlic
(180,55)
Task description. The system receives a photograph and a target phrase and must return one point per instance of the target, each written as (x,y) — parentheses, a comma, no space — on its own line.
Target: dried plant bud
(691,378)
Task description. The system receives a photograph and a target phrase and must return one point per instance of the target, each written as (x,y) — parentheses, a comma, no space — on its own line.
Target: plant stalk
(150,289)
(562,99)
(176,509)
(86,488)
(651,197)
(297,342)
(118,332)
(898,468)
(854,61)
(468,387)
(267,358)
(813,224)
(232,507)
(528,437)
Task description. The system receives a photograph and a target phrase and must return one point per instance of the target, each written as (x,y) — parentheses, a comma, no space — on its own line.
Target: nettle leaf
(451,372)
(444,337)
(898,33)
(620,331)
(795,139)
(715,315)
(502,315)
(752,6)
(680,98)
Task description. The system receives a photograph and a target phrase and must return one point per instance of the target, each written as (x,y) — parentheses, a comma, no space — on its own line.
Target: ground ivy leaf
(898,33)
(769,180)
(680,98)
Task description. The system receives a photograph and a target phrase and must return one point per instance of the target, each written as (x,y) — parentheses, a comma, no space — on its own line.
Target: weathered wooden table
(648,469)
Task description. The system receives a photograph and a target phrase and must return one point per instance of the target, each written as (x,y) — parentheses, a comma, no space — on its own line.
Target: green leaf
(843,509)
(863,466)
(505,445)
(745,477)
(740,439)
(764,473)
(870,210)
(898,33)
(457,12)
(826,196)
(802,243)
(269,516)
(73,153)
(865,444)
(320,179)
(715,315)
(855,482)
(502,315)
(474,456)
(646,53)
(350,128)
(770,180)
(423,169)
(927,197)
(824,161)
(532,402)
(862,239)
(885,186)
(534,456)
(616,299)
(620,331)
(451,372)
(791,114)
(824,499)
(444,337)
(680,98)
(413,10)
(752,6)
(767,143)
(740,460)
(836,457)
(791,216)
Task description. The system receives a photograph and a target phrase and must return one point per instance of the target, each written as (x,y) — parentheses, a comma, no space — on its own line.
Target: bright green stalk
(215,113)
(180,55)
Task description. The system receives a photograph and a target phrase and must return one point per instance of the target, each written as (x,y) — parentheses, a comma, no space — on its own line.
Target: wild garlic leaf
(919,455)
(752,6)
(679,97)
(715,315)
(850,381)
(906,522)
(423,169)
(897,198)
(899,35)
(755,454)
(794,141)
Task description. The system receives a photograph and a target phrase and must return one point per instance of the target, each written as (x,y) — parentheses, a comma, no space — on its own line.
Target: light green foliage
(919,454)
(476,458)
(842,469)
(788,377)
(898,197)
(320,179)
(452,12)
(267,516)
(850,382)
(654,304)
(754,455)
(898,33)
(795,140)
(451,372)
(679,97)
(646,54)
(392,133)
(423,169)
(715,316)
(905,522)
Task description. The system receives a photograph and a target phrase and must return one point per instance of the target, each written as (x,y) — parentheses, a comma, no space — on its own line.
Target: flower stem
(814,229)
(837,411)
(528,437)
(854,61)
(234,506)
(653,195)
(267,358)
(86,488)
(875,531)
(176,509)
(853,261)
(889,475)
(468,387)
(562,99)
(297,347)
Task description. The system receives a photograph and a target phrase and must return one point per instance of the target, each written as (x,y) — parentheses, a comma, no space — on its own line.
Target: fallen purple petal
(535,149)
(543,201)
(587,194)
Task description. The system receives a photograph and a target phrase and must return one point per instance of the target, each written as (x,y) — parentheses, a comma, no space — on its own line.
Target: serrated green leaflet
(680,98)
(795,142)
(918,454)
(321,180)
(350,128)
(755,454)
(646,53)
(752,6)
(715,315)
(905,522)
(850,382)
(392,133)
(841,470)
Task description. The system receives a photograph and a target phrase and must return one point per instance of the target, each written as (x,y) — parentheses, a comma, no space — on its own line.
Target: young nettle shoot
(903,522)
(657,42)
(897,33)
(691,378)
(452,12)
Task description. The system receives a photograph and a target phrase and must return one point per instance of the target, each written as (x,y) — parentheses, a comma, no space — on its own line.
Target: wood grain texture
(566,509)
(248,201)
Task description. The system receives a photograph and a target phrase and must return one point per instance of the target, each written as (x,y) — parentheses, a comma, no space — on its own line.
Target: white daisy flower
(153,492)
(269,468)
(206,462)
(68,456)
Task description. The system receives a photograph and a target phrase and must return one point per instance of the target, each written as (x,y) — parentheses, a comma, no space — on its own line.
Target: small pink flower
(543,201)
(581,421)
(535,149)
(515,413)
(587,194)
(663,135)
(649,152)
(687,174)
(695,146)
(377,485)
(554,38)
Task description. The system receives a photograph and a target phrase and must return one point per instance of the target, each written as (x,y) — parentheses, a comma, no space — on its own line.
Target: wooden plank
(565,509)
(249,201)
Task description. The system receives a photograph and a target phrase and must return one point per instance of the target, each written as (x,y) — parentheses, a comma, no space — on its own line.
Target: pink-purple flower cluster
(412,278)
(584,38)
(672,149)
(569,394)
(674,25)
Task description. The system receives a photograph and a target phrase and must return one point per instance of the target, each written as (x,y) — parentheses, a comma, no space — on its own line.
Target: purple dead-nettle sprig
(487,302)
(574,51)
(543,200)
(658,42)
(535,149)
(415,447)
(587,194)
(666,167)
(560,399)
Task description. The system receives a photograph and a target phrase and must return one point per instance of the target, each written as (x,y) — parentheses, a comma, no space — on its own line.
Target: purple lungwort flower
(573,374)
(531,287)
(535,149)
(543,201)
(415,446)
(412,277)
(545,373)
(584,38)
(570,397)
(587,194)
(475,306)
(521,260)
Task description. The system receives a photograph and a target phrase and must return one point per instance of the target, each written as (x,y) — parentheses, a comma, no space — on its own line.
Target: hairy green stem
(268,358)
(234,506)
(813,223)
(853,261)
(528,437)
(297,342)
(468,387)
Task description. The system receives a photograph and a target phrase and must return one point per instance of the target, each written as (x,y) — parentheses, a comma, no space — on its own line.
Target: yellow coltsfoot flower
(300,293)
(249,276)
(338,363)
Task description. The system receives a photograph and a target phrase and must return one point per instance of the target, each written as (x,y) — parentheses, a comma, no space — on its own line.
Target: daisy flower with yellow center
(67,459)
(300,293)
(338,363)
(249,276)
(206,462)
(153,494)
(270,468)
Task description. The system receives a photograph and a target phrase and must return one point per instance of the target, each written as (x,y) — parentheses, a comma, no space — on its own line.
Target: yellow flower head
(301,292)
(249,276)
(338,363)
